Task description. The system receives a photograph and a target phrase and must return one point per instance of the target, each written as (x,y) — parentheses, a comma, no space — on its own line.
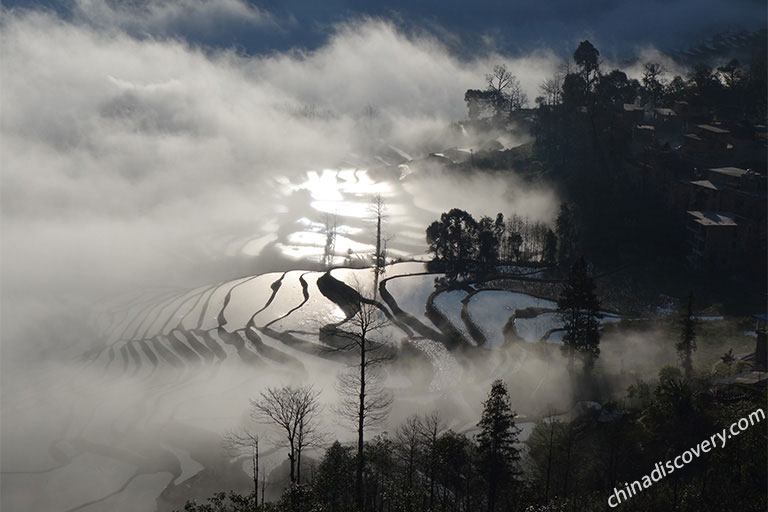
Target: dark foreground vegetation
(566,463)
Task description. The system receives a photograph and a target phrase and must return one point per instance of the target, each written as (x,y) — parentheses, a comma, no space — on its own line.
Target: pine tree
(566,234)
(549,255)
(497,442)
(687,344)
(579,308)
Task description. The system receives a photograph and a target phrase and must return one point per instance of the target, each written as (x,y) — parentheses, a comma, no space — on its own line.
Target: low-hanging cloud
(122,149)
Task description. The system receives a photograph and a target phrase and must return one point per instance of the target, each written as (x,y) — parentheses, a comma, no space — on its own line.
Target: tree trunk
(549,462)
(298,452)
(377,259)
(360,431)
(255,461)
(432,464)
(263,488)
(292,460)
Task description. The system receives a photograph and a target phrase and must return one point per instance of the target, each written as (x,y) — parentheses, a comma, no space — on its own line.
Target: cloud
(119,145)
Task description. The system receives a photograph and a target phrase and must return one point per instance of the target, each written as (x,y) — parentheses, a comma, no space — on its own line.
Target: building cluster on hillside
(712,172)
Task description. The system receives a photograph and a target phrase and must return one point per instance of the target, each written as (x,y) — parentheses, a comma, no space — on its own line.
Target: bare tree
(364,400)
(378,211)
(500,79)
(553,89)
(329,251)
(294,412)
(409,443)
(240,443)
(430,426)
(516,97)
(653,81)
(506,89)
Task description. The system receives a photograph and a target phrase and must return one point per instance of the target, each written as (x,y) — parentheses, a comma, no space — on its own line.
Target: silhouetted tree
(586,57)
(553,90)
(616,88)
(453,240)
(334,479)
(364,401)
(565,227)
(579,308)
(687,344)
(479,103)
(574,91)
(329,251)
(549,255)
(653,86)
(378,211)
(497,440)
(294,411)
(246,443)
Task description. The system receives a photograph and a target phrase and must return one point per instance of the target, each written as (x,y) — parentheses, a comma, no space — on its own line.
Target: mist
(144,172)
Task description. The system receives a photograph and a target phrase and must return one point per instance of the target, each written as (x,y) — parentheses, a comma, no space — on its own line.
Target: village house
(713,240)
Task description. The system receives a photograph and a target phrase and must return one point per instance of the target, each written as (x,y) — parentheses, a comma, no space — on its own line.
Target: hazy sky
(468,27)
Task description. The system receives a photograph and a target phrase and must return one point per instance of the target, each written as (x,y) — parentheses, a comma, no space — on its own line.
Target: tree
(378,210)
(566,234)
(408,449)
(453,471)
(497,440)
(676,88)
(731,73)
(489,237)
(294,411)
(687,344)
(574,91)
(364,400)
(453,240)
(586,57)
(430,426)
(248,442)
(333,482)
(653,86)
(552,89)
(329,251)
(579,309)
(516,98)
(505,90)
(704,84)
(616,88)
(549,255)
(479,103)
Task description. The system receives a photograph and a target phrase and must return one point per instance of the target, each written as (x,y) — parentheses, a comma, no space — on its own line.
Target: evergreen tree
(586,57)
(550,247)
(333,485)
(453,240)
(566,234)
(579,308)
(497,442)
(687,344)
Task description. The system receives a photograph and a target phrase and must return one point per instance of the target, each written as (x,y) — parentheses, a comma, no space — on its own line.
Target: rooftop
(705,184)
(713,218)
(712,129)
(730,171)
(666,112)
